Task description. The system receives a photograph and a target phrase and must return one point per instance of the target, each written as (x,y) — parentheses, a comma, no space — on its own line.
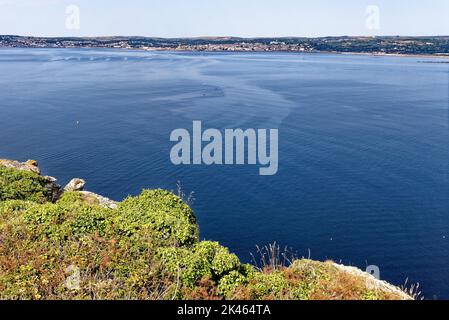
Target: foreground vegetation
(146,248)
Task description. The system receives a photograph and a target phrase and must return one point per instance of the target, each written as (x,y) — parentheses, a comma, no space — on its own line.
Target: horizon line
(234,37)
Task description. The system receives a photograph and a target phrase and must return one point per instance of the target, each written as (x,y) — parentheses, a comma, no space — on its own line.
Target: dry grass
(413,290)
(188,199)
(272,257)
(319,280)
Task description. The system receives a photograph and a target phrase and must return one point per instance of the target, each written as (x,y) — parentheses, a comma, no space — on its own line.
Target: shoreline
(174,50)
(405,55)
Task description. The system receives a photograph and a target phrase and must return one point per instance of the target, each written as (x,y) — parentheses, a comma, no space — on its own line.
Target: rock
(373,283)
(55,190)
(75,185)
(93,198)
(30,165)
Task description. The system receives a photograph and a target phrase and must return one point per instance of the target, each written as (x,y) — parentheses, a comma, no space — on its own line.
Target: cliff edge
(67,243)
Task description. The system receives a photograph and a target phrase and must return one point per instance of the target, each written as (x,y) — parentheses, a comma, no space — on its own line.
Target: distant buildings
(375,45)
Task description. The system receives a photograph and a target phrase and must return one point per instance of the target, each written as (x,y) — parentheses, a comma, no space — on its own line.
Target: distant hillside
(372,45)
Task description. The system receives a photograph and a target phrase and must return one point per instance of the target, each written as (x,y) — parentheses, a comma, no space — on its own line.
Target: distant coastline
(432,46)
(442,56)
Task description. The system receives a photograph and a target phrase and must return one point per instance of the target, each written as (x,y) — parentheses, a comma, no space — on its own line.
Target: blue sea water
(363,145)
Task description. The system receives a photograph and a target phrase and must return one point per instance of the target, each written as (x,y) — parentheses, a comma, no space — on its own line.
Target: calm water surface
(364,145)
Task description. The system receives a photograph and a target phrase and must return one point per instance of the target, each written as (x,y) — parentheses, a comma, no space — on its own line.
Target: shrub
(22,185)
(267,286)
(230,282)
(68,217)
(165,214)
(205,260)
(219,258)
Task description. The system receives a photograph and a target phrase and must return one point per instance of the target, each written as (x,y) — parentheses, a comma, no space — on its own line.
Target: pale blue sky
(247,18)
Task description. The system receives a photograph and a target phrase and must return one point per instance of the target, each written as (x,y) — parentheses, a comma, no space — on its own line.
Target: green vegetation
(21,185)
(147,248)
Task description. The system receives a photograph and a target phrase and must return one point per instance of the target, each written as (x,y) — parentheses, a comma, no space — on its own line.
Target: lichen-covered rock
(75,184)
(93,198)
(30,165)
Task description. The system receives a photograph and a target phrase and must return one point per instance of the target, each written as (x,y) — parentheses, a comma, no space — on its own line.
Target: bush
(22,185)
(161,212)
(68,217)
(112,249)
(230,282)
(204,260)
(269,286)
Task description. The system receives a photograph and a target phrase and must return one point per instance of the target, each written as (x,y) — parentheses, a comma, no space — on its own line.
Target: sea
(363,174)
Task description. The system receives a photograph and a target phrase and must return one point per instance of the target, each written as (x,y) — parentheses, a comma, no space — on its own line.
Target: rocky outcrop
(99,200)
(30,165)
(55,191)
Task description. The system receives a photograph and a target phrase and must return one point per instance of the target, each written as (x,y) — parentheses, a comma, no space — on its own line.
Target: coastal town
(438,46)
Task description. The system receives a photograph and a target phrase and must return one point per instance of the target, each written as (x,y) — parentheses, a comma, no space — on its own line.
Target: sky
(243,18)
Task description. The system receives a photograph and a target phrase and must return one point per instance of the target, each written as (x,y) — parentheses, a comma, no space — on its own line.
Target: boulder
(75,185)
(55,190)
